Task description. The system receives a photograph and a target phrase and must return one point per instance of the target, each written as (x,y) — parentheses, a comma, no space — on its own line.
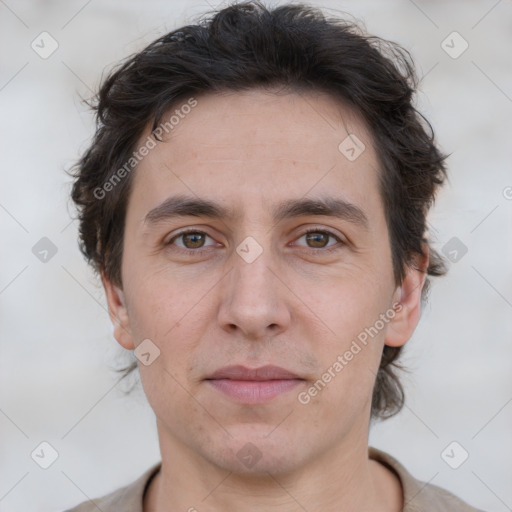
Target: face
(257,262)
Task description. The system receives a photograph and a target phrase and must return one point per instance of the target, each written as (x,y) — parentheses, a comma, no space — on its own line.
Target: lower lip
(254,392)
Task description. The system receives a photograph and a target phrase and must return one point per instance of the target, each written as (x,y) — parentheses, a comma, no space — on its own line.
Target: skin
(296,306)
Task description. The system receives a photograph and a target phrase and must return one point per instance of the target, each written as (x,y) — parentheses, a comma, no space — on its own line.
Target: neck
(342,479)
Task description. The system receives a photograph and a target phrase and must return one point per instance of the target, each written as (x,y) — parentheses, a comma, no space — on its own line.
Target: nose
(254,299)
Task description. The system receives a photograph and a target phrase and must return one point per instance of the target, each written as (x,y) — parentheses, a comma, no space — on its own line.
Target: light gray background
(56,343)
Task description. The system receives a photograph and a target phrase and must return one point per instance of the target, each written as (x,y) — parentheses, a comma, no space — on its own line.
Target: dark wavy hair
(246,46)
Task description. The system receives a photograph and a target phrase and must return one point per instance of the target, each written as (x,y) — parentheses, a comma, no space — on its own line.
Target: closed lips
(253,386)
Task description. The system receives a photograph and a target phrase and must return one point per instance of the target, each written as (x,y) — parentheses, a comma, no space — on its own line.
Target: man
(254,200)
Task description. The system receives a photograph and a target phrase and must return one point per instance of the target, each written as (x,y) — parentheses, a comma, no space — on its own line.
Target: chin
(255,453)
(274,464)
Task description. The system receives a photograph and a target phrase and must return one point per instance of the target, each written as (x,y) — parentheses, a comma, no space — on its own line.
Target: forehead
(275,120)
(240,145)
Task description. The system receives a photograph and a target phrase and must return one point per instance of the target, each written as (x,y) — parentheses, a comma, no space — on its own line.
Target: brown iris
(316,239)
(196,240)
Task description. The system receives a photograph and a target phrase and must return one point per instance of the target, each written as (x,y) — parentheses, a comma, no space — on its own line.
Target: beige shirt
(418,496)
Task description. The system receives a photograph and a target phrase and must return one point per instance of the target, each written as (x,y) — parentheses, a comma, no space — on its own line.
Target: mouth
(253,386)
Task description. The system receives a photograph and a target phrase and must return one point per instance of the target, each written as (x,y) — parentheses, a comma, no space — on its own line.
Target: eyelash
(200,251)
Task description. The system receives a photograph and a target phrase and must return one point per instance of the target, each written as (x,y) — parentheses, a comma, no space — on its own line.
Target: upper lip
(238,372)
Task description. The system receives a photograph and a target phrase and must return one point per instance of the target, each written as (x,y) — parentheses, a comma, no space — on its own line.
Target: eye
(192,240)
(319,239)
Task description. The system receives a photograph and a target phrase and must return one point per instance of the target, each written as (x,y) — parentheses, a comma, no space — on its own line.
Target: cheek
(174,315)
(174,404)
(345,306)
(165,299)
(344,386)
(357,314)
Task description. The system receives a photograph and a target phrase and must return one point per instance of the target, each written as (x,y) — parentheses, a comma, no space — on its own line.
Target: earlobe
(407,303)
(118,313)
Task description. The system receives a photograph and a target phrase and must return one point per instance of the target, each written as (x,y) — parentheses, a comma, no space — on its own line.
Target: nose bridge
(252,280)
(251,298)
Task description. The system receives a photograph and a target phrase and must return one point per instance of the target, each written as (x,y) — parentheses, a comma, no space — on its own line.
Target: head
(247,130)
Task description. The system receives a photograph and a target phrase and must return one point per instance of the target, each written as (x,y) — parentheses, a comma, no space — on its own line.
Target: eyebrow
(184,206)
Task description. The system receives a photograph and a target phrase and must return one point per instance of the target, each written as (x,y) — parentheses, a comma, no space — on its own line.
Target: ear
(407,302)
(118,313)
